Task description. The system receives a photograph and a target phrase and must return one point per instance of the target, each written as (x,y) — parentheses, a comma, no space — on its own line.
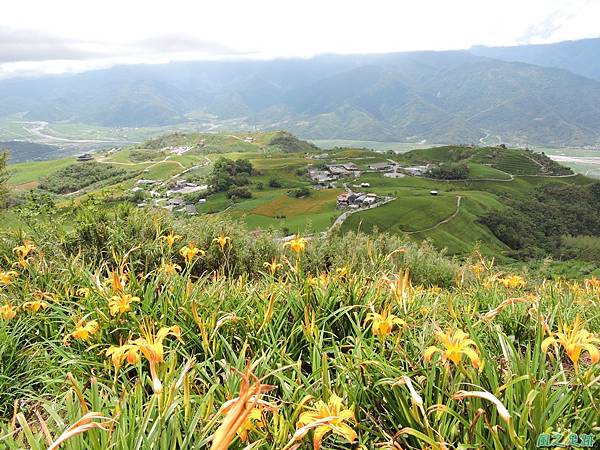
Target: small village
(176,198)
(330,175)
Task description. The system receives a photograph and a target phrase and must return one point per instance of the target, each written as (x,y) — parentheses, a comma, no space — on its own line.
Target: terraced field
(517,165)
(410,212)
(275,209)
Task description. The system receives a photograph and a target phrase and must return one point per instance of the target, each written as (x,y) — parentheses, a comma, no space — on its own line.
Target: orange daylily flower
(119,354)
(6,277)
(273,266)
(83,331)
(456,344)
(324,418)
(151,346)
(35,305)
(297,244)
(119,304)
(222,240)
(574,340)
(190,251)
(171,238)
(170,268)
(383,323)
(513,282)
(8,311)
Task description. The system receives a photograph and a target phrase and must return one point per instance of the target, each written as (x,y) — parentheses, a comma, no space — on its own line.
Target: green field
(410,212)
(275,209)
(26,175)
(495,174)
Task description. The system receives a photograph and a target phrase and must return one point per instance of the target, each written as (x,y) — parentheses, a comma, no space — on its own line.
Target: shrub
(81,175)
(300,192)
(239,192)
(274,183)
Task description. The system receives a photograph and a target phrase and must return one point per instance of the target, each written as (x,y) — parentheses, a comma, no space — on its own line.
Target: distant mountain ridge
(581,57)
(438,97)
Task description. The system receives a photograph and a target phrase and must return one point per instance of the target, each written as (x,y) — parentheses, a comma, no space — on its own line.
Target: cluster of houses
(172,199)
(178,150)
(327,176)
(355,200)
(394,170)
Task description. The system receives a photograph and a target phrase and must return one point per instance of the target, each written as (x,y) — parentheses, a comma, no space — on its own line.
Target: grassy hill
(280,162)
(118,332)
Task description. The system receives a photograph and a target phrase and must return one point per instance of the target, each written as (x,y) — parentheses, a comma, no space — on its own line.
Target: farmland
(494,175)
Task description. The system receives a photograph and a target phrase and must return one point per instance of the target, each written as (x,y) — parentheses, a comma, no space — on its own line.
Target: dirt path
(441,222)
(152,164)
(341,218)
(197,166)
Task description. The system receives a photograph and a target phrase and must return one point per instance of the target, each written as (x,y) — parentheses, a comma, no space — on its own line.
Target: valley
(169,172)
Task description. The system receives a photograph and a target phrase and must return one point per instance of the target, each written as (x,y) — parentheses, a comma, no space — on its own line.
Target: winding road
(441,222)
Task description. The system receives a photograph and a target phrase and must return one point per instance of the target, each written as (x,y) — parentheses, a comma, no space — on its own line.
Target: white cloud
(68,35)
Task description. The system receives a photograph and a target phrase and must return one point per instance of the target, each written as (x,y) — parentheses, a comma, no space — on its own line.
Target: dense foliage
(450,171)
(143,333)
(227,173)
(81,175)
(535,226)
(290,143)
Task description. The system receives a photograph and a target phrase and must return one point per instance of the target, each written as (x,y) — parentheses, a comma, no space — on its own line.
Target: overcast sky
(72,35)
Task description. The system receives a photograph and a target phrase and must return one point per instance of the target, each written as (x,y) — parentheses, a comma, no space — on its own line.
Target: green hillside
(267,196)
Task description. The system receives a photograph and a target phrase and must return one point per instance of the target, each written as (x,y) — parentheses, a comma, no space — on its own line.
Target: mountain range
(524,95)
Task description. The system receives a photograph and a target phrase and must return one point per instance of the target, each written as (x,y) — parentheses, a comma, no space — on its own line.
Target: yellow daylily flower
(222,240)
(513,282)
(241,411)
(297,244)
(119,354)
(170,268)
(190,251)
(592,284)
(320,280)
(477,269)
(342,272)
(83,292)
(456,345)
(171,238)
(151,347)
(35,305)
(324,418)
(119,304)
(255,418)
(43,295)
(24,250)
(83,331)
(6,277)
(272,266)
(8,311)
(383,323)
(574,340)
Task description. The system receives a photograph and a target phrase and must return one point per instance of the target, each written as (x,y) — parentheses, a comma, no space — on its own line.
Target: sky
(73,35)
